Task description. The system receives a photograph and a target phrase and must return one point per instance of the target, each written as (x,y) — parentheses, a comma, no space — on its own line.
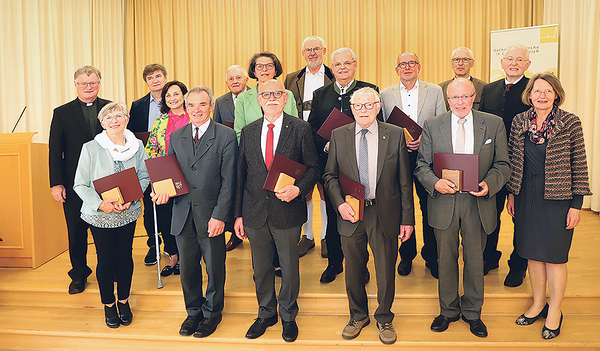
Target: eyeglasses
(462,59)
(267,94)
(90,84)
(109,118)
(464,97)
(267,66)
(337,65)
(547,92)
(516,60)
(367,105)
(410,64)
(317,49)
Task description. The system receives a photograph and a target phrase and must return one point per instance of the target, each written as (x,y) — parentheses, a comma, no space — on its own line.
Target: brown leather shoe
(233,242)
(304,245)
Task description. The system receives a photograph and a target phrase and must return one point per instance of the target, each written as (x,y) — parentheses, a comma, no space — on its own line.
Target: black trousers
(163,218)
(77,230)
(335,257)
(115,261)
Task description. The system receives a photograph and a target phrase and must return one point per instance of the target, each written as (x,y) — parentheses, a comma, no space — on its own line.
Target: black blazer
(255,204)
(294,82)
(496,100)
(224,109)
(138,115)
(68,132)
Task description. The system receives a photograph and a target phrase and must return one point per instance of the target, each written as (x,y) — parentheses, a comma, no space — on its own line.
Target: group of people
(540,168)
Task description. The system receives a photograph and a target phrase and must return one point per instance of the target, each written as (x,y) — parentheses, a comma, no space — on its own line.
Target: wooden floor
(37,313)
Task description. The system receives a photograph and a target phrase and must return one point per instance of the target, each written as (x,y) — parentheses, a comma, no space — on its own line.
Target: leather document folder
(166,168)
(283,165)
(335,119)
(127,182)
(143,136)
(401,119)
(467,163)
(356,191)
(229,124)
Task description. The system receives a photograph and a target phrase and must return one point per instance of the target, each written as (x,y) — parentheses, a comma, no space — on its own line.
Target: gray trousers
(466,221)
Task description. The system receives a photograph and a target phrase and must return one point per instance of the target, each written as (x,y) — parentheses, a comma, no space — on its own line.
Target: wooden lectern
(32,223)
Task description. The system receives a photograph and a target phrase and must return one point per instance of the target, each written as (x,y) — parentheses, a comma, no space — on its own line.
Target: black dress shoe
(150,259)
(330,273)
(477,327)
(522,320)
(125,314)
(176,269)
(514,278)
(488,266)
(259,326)
(290,331)
(367,277)
(433,268)
(77,286)
(189,326)
(404,267)
(207,326)
(233,242)
(166,271)
(111,316)
(441,323)
(552,333)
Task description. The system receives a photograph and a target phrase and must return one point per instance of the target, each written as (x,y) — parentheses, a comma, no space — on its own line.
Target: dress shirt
(343,89)
(372,143)
(410,99)
(276,131)
(469,137)
(153,112)
(234,99)
(506,82)
(312,82)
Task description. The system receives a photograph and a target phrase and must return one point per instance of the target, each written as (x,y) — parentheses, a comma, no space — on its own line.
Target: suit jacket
(431,101)
(494,166)
(294,82)
(506,104)
(255,204)
(68,132)
(138,115)
(325,99)
(394,182)
(210,175)
(478,83)
(224,108)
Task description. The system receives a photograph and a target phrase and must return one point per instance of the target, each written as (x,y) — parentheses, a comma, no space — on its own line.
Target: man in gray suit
(473,214)
(461,62)
(272,221)
(420,101)
(207,154)
(374,154)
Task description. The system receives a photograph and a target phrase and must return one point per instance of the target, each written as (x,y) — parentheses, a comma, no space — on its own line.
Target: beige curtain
(580,74)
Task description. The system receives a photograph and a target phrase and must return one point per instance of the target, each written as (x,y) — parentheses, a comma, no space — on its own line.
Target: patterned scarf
(540,135)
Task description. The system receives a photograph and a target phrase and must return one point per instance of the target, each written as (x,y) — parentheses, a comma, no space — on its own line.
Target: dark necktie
(269,148)
(363,161)
(196,134)
(508,86)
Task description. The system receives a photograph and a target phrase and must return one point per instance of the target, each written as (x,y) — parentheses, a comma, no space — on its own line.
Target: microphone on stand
(15,127)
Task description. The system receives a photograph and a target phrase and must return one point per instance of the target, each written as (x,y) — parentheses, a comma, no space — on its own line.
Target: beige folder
(355,204)
(282,181)
(114,193)
(165,186)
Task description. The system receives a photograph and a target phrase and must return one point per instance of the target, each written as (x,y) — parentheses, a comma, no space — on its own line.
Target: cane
(160,283)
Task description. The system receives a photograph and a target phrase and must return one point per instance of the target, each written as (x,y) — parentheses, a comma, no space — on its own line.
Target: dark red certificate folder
(229,124)
(282,164)
(143,136)
(401,119)
(335,119)
(164,168)
(127,182)
(467,163)
(354,189)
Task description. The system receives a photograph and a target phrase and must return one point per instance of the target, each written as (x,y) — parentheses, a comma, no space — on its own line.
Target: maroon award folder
(467,163)
(335,119)
(229,124)
(143,136)
(401,119)
(166,176)
(283,171)
(353,191)
(127,182)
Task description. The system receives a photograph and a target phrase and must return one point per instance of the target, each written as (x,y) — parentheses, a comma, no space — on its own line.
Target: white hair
(463,48)
(232,67)
(314,37)
(343,51)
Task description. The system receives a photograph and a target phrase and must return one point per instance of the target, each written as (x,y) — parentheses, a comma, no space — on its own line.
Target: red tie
(508,86)
(269,148)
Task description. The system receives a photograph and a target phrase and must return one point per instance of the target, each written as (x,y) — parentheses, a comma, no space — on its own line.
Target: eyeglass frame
(354,106)
(463,97)
(411,64)
(272,93)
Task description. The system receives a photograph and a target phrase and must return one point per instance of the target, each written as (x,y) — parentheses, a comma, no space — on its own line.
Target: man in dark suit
(302,84)
(461,62)
(143,113)
(272,221)
(74,124)
(374,154)
(335,95)
(207,154)
(503,98)
(236,79)
(420,101)
(473,214)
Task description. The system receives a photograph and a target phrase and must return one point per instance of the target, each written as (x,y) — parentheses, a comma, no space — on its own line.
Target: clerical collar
(87,104)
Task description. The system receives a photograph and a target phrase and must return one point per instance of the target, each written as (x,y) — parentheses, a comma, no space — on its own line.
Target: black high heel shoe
(549,333)
(522,320)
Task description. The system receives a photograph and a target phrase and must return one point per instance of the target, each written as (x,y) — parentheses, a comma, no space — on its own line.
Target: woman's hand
(160,199)
(510,205)
(120,208)
(107,206)
(573,218)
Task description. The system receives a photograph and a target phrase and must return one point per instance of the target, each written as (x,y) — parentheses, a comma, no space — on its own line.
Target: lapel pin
(384,137)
